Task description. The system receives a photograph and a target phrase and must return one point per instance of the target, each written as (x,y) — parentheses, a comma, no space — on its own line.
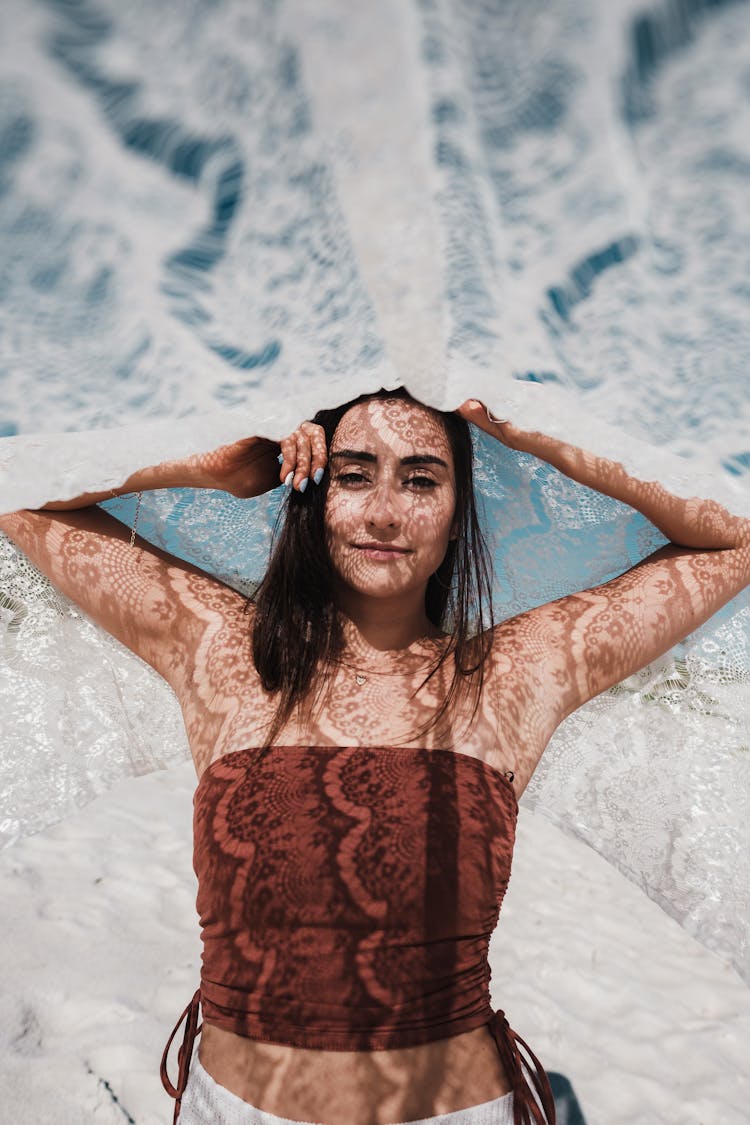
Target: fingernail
(318,475)
(303,484)
(289,478)
(280,458)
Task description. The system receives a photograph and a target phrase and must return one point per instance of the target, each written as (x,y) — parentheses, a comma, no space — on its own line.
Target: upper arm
(157,605)
(588,642)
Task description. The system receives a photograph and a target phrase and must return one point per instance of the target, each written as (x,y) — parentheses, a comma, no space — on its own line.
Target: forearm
(185,473)
(687,523)
(247,467)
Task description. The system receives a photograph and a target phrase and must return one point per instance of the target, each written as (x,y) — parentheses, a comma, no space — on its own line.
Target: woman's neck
(371,630)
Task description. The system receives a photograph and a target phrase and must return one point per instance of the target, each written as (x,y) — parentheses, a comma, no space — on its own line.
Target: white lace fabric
(216,222)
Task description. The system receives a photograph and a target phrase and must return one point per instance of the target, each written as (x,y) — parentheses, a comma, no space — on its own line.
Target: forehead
(383,425)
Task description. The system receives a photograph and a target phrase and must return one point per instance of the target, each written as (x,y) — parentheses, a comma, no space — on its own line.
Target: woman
(361,699)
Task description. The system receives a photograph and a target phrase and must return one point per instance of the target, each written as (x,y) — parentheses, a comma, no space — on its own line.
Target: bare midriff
(357,1087)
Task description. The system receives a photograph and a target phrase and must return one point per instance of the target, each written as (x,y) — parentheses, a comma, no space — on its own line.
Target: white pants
(205,1102)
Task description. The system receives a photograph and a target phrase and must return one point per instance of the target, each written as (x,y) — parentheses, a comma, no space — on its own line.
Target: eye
(351,478)
(417,481)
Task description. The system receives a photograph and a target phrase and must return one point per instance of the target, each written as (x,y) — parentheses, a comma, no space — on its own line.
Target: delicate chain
(361,676)
(135,521)
(116,496)
(398,673)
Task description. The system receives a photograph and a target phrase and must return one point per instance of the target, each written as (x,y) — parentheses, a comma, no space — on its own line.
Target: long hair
(297,632)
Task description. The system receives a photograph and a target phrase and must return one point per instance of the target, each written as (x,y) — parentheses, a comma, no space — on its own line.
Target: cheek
(429,526)
(340,514)
(343,523)
(435,517)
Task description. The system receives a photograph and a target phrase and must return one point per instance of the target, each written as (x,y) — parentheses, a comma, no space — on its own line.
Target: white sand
(99,954)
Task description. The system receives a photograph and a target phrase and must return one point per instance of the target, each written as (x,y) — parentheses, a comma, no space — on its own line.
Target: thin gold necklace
(361,678)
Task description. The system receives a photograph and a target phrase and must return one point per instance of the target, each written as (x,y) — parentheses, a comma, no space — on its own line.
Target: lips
(381,547)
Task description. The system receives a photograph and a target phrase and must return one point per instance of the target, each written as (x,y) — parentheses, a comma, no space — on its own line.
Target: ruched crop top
(347,896)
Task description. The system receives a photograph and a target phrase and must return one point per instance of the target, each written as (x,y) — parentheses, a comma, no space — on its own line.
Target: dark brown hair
(297,631)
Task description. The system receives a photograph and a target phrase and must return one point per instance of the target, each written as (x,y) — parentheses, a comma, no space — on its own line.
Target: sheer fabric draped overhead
(218,218)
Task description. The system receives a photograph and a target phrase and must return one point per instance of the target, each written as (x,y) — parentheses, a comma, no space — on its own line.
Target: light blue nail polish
(303,484)
(318,475)
(289,478)
(280,458)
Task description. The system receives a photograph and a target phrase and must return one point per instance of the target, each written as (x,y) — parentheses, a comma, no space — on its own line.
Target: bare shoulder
(211,670)
(192,628)
(215,620)
(551,660)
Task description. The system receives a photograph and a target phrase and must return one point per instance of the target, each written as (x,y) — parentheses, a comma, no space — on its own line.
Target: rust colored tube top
(347,896)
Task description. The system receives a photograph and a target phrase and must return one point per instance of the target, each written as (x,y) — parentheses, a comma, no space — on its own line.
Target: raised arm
(583,643)
(244,468)
(687,523)
(156,604)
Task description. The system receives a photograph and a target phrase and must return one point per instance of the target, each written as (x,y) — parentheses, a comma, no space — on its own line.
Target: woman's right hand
(244,468)
(304,456)
(254,465)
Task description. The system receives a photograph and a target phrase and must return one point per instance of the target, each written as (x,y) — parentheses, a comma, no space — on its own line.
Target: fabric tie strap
(520,1068)
(185,1053)
(527,1109)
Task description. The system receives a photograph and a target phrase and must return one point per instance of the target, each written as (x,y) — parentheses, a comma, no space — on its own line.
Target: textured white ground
(99,954)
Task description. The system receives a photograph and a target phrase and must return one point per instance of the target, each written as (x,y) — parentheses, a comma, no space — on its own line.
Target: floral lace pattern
(347,895)
(217,219)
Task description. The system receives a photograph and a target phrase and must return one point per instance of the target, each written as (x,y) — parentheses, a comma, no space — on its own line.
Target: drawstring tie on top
(526,1073)
(526,1108)
(185,1053)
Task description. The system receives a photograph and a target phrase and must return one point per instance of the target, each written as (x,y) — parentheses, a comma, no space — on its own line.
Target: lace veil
(217,219)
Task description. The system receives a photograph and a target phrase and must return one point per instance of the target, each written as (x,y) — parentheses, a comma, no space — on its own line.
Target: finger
(288,458)
(304,457)
(475,411)
(319,450)
(470,409)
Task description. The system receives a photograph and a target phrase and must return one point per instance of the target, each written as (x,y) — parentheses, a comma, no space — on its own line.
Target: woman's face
(391,497)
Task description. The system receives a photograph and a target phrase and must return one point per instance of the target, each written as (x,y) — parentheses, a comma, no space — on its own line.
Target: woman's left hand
(475,411)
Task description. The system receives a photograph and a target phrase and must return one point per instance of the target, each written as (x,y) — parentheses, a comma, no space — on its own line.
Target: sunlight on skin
(392,484)
(195,631)
(384,497)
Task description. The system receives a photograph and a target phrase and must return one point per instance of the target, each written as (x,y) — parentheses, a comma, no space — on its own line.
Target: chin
(377,589)
(376,586)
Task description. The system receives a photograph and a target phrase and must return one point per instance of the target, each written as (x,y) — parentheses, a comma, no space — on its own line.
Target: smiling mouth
(379,548)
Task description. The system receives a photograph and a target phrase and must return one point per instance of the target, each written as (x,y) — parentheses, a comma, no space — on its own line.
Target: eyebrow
(414,459)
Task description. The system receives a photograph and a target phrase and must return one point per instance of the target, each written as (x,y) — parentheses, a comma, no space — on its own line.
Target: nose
(383,507)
